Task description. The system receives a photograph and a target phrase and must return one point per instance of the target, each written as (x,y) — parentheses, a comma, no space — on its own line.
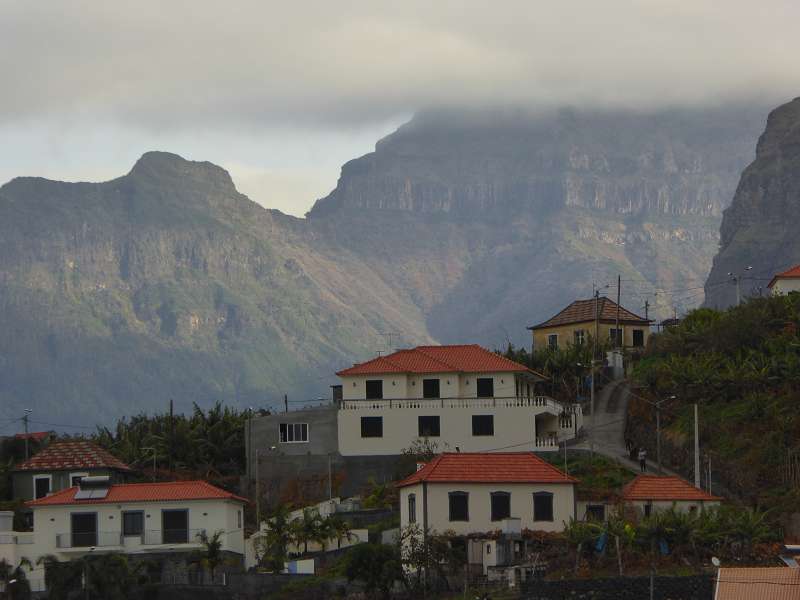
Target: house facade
(458,397)
(473,493)
(650,493)
(788,281)
(575,324)
(61,465)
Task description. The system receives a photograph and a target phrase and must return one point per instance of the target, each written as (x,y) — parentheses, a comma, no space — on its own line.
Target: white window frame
(579,336)
(291,427)
(37,478)
(77,474)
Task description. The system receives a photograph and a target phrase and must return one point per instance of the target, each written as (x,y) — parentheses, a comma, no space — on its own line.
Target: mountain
(759,229)
(461,226)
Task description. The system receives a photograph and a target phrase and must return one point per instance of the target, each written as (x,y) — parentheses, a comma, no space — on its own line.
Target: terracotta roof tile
(775,583)
(72,454)
(793,273)
(143,492)
(470,358)
(36,436)
(582,311)
(491,467)
(656,487)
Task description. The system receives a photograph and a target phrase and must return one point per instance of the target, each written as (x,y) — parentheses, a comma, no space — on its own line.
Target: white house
(788,281)
(135,519)
(649,493)
(470,493)
(461,397)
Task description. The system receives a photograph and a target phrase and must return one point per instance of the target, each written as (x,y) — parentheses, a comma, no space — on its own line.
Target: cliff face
(168,283)
(496,221)
(759,229)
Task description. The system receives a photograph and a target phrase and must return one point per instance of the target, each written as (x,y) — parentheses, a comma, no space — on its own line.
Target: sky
(282,94)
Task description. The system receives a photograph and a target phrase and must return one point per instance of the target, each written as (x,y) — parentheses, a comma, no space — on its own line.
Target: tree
(377,566)
(579,534)
(20,589)
(308,528)
(103,576)
(272,545)
(212,556)
(429,558)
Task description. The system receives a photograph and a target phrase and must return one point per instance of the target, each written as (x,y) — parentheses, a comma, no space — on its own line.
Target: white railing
(101,539)
(547,442)
(155,537)
(468,403)
(16,538)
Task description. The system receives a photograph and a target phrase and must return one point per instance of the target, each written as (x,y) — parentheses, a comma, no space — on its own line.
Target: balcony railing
(153,537)
(16,538)
(77,539)
(468,403)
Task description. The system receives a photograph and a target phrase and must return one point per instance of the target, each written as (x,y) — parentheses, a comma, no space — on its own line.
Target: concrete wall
(321,432)
(566,333)
(680,505)
(480,521)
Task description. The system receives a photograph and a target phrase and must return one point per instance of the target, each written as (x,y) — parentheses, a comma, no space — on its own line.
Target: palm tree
(211,556)
(579,534)
(338,528)
(307,528)
(280,533)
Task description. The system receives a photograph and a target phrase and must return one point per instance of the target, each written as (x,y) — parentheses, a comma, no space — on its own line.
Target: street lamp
(737,278)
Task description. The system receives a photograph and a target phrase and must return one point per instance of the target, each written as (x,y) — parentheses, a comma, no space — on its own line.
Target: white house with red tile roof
(135,518)
(61,464)
(463,397)
(788,281)
(470,493)
(648,493)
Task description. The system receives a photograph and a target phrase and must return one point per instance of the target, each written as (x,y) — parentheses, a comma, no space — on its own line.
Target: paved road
(606,433)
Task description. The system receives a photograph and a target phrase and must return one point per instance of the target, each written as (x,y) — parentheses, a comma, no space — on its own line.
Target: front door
(84,530)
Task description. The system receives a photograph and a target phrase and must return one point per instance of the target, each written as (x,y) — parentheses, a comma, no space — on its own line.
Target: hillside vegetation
(742,367)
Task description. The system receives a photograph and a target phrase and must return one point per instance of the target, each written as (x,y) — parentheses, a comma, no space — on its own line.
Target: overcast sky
(282,93)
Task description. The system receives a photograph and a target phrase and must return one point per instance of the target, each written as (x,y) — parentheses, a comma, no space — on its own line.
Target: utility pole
(591,369)
(646,309)
(28,411)
(737,279)
(658,436)
(617,333)
(696,449)
(286,403)
(330,480)
(171,433)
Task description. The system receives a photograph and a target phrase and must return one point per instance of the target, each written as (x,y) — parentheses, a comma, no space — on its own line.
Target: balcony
(89,539)
(156,537)
(16,539)
(456,403)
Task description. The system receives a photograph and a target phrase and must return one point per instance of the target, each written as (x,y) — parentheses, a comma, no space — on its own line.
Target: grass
(598,478)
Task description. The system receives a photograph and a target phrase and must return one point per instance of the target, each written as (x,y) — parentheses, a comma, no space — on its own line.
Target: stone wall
(700,587)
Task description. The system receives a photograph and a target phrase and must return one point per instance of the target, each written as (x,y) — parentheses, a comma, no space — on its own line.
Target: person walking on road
(643,460)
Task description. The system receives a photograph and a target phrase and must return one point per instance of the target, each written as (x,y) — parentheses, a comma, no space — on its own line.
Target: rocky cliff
(168,283)
(759,229)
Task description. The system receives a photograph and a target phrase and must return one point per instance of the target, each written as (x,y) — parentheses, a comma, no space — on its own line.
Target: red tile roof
(656,487)
(582,311)
(793,273)
(36,436)
(488,467)
(178,491)
(438,359)
(775,583)
(72,454)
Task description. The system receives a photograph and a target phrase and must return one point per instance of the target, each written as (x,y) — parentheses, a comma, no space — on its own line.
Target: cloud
(255,65)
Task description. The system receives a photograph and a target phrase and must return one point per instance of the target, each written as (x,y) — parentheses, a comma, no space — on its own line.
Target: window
(543,506)
(595,512)
(692,509)
(459,506)
(371,427)
(84,529)
(552,341)
(430,388)
(132,522)
(374,389)
(238,519)
(501,505)
(175,526)
(293,433)
(412,508)
(429,426)
(579,337)
(485,387)
(638,338)
(75,478)
(41,486)
(482,424)
(648,509)
(615,335)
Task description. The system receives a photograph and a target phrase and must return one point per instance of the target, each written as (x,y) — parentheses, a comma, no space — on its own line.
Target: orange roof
(668,487)
(72,454)
(36,436)
(488,467)
(582,311)
(469,358)
(793,273)
(775,583)
(143,492)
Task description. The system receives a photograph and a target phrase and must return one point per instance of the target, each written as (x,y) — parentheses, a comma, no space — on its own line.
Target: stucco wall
(784,286)
(451,385)
(681,505)
(566,333)
(22,481)
(480,506)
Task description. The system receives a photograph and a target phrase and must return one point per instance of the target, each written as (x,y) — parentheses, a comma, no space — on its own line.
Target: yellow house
(576,324)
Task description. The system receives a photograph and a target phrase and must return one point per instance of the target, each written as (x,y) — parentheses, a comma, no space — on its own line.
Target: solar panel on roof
(100,493)
(83,494)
